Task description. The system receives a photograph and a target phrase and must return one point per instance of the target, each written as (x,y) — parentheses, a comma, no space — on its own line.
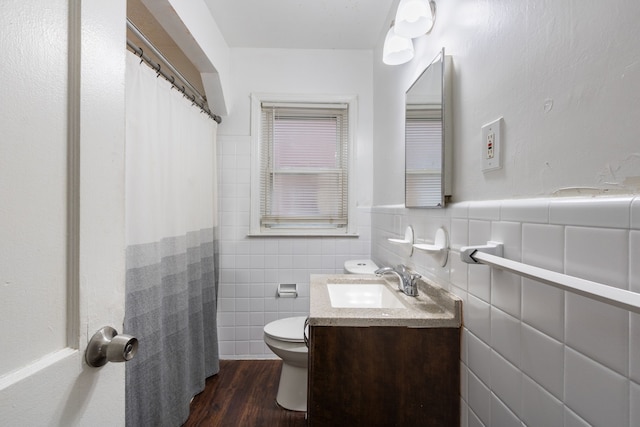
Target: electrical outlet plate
(492,145)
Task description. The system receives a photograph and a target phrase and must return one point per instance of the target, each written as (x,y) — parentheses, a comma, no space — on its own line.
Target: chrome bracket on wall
(493,248)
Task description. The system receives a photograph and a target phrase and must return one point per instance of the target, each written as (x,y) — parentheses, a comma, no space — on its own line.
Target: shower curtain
(171,254)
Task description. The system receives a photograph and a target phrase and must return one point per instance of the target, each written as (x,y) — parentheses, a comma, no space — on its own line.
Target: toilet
(360,266)
(285,337)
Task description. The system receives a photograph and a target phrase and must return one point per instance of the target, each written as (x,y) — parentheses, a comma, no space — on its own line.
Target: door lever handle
(107,346)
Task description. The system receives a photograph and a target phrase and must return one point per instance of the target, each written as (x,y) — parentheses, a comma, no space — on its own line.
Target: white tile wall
(534,355)
(251,268)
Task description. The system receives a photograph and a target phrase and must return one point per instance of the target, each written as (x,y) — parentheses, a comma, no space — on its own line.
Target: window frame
(255,228)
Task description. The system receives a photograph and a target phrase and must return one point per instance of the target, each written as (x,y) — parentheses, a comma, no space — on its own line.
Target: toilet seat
(290,329)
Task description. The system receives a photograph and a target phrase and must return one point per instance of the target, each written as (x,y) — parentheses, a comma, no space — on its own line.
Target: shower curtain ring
(158,70)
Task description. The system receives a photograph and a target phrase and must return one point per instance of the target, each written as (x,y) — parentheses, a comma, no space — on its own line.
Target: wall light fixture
(414,18)
(397,49)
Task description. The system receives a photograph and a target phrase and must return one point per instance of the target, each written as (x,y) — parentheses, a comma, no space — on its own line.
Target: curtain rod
(197,98)
(491,255)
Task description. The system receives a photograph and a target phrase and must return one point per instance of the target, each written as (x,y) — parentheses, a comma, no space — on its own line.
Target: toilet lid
(290,329)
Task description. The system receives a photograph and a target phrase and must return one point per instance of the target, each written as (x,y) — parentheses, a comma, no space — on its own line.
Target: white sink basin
(349,295)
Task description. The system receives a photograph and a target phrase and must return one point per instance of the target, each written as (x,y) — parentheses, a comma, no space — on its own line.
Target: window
(300,176)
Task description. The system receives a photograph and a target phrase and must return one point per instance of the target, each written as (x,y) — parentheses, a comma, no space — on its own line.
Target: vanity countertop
(434,307)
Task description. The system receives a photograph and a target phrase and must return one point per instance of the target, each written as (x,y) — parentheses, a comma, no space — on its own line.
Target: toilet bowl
(285,337)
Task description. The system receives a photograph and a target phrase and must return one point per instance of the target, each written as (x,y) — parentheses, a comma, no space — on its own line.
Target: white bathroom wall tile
(603,212)
(489,210)
(479,358)
(464,378)
(543,246)
(634,265)
(464,347)
(458,233)
(256,289)
(241,348)
(256,261)
(226,333)
(242,333)
(506,382)
(270,304)
(285,305)
(256,305)
(228,275)
(634,398)
(257,347)
(479,281)
(539,407)
(597,254)
(635,213)
(256,320)
(227,349)
(505,335)
(242,290)
(479,400)
(543,360)
(464,414)
(480,275)
(506,291)
(226,290)
(242,318)
(599,330)
(501,415)
(531,210)
(226,304)
(543,308)
(473,420)
(459,210)
(226,318)
(594,392)
(243,206)
(477,318)
(271,278)
(543,305)
(634,347)
(285,262)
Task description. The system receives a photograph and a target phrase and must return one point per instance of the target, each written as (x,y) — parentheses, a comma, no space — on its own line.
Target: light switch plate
(492,145)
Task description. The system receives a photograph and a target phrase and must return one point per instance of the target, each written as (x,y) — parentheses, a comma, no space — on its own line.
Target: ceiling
(301,24)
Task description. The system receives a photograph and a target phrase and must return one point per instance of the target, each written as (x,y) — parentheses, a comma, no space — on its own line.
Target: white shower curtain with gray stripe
(171,254)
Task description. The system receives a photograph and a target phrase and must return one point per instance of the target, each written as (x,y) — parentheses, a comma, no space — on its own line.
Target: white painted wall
(296,71)
(564,75)
(251,268)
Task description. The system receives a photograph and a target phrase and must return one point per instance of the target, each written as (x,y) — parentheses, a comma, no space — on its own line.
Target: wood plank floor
(243,394)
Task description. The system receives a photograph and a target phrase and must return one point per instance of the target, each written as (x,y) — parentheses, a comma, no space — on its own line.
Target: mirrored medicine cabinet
(428,132)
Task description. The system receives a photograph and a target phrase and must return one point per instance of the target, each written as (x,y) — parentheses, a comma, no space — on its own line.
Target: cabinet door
(384,376)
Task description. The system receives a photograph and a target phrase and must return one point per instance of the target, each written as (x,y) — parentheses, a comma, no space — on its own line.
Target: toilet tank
(360,266)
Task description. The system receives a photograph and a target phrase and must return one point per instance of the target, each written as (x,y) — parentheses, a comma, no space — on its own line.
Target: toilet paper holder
(287,290)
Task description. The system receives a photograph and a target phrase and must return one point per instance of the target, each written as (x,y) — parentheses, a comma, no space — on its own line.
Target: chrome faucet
(408,282)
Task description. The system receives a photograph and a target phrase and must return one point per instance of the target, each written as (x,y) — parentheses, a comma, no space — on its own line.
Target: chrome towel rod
(197,98)
(491,255)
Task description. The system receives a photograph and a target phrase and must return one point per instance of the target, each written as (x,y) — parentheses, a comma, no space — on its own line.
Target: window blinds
(304,165)
(423,139)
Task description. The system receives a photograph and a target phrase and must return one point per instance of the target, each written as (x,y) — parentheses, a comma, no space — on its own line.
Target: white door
(61,209)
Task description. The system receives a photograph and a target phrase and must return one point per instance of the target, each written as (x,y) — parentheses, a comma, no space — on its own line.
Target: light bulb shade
(414,18)
(397,49)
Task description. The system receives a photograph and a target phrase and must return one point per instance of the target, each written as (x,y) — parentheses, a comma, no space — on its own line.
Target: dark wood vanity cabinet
(384,376)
